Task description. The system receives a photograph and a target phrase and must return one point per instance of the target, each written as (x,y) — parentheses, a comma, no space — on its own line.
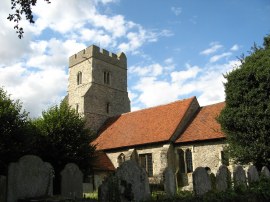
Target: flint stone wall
(29,177)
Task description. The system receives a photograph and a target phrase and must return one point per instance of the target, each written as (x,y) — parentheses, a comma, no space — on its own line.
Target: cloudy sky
(175,48)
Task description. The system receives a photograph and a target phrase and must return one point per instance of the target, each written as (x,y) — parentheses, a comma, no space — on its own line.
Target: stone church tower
(97,86)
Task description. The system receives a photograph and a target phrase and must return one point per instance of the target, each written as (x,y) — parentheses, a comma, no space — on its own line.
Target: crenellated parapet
(101,54)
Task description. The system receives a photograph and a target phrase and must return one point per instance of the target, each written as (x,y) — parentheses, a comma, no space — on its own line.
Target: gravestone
(223,177)
(239,176)
(3,188)
(265,172)
(128,183)
(169,182)
(72,181)
(252,174)
(29,177)
(201,181)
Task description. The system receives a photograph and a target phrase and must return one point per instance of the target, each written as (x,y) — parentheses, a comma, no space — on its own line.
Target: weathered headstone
(72,181)
(252,174)
(239,176)
(265,172)
(223,178)
(129,183)
(132,155)
(3,188)
(201,181)
(29,177)
(169,182)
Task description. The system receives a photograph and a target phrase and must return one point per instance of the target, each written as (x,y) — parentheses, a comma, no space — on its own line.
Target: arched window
(182,166)
(121,159)
(79,78)
(108,108)
(77,108)
(106,77)
(189,161)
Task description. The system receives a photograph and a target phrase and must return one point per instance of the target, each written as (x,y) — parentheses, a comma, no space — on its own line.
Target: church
(181,135)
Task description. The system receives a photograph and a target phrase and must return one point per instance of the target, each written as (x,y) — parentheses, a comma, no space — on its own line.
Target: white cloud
(35,71)
(214,46)
(176,10)
(153,70)
(205,82)
(215,58)
(235,47)
(182,76)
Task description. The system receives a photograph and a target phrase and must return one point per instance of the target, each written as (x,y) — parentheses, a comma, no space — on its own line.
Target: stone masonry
(102,92)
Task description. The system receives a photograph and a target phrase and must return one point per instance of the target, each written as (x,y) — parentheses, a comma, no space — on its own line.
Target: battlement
(101,54)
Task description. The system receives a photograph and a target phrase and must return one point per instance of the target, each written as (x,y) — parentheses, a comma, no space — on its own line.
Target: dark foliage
(16,131)
(22,8)
(246,116)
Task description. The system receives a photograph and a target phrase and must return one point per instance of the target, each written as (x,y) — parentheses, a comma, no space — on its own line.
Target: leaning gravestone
(239,176)
(29,177)
(265,172)
(129,183)
(223,178)
(252,174)
(169,182)
(72,181)
(3,188)
(201,181)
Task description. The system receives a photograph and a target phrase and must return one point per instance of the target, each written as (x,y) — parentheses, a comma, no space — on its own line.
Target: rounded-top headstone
(201,181)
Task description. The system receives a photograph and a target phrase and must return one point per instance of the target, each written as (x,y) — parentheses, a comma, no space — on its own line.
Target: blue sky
(175,48)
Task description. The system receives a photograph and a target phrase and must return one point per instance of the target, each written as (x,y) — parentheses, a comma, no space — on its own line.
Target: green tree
(16,131)
(22,8)
(64,139)
(246,116)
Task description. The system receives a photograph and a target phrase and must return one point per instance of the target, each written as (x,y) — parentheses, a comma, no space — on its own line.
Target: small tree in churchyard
(64,138)
(16,132)
(246,116)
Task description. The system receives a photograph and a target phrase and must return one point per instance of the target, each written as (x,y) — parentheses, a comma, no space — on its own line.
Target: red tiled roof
(156,124)
(204,126)
(101,162)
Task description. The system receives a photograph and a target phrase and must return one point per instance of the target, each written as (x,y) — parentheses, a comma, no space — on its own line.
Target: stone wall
(159,159)
(207,154)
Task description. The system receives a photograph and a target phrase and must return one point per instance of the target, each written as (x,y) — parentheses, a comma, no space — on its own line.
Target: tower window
(77,108)
(106,78)
(121,159)
(108,108)
(79,78)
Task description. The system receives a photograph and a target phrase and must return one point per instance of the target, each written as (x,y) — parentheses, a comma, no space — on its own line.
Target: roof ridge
(161,105)
(213,104)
